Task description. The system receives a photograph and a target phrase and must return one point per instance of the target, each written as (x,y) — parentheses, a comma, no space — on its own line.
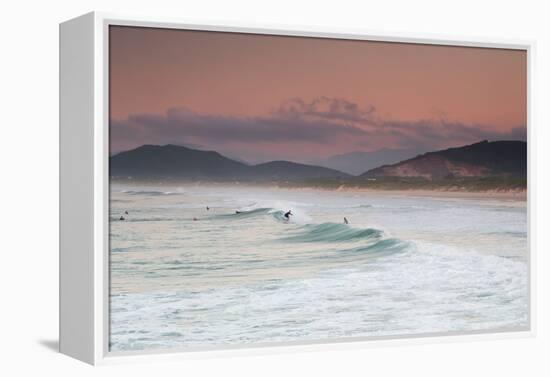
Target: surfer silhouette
(237,212)
(288,214)
(345,221)
(125,212)
(207,208)
(121,218)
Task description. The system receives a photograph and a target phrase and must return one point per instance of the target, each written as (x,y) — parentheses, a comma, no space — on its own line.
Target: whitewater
(184,277)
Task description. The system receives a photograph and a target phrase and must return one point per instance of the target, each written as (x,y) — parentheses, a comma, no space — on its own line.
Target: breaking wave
(332,232)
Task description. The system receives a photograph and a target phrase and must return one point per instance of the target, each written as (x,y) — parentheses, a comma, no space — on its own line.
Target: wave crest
(333,232)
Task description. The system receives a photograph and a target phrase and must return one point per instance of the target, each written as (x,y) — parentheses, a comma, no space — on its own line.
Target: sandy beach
(511,194)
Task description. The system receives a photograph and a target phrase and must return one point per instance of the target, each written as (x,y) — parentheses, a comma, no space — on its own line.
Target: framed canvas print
(234,189)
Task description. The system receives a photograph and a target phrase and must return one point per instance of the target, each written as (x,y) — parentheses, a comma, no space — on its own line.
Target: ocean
(184,277)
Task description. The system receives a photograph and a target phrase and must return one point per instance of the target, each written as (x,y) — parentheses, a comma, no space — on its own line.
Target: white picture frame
(84,186)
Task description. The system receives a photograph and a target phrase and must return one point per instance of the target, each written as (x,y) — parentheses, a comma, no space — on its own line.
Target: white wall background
(29,188)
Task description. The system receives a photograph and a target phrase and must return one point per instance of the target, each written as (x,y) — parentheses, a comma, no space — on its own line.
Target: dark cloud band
(322,121)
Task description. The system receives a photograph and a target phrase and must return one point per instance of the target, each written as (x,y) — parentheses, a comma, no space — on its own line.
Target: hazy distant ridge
(358,162)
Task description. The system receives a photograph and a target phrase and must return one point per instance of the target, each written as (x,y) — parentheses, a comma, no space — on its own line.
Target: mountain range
(483,159)
(179,162)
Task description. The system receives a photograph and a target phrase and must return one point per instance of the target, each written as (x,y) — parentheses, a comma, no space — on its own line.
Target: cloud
(325,108)
(180,125)
(439,133)
(299,128)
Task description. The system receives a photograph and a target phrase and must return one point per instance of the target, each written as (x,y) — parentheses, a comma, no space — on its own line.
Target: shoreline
(520,195)
(517,195)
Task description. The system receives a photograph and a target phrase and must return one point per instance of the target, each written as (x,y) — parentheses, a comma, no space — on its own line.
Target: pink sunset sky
(260,97)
